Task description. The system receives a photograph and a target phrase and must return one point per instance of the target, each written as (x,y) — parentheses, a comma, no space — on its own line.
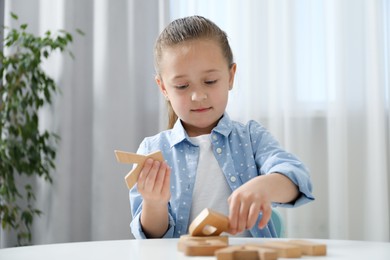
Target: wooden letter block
(284,249)
(310,248)
(247,252)
(235,253)
(184,238)
(209,223)
(201,246)
(125,157)
(264,253)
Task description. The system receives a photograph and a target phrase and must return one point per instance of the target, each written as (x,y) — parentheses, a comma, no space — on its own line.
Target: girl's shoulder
(162,138)
(250,127)
(226,125)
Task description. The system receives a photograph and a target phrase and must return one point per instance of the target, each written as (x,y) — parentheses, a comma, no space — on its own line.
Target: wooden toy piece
(264,253)
(126,157)
(310,248)
(184,238)
(209,223)
(201,246)
(249,252)
(235,253)
(284,249)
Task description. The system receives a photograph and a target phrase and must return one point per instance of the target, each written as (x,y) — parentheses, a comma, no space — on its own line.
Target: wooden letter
(209,223)
(125,157)
(201,246)
(248,252)
(284,249)
(309,247)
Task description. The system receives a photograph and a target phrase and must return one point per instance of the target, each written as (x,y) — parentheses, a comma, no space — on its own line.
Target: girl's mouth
(202,109)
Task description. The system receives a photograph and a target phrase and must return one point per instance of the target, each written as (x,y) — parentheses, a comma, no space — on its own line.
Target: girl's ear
(232,73)
(161,86)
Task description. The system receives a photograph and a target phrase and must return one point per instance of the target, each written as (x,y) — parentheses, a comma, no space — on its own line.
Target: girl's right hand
(154,181)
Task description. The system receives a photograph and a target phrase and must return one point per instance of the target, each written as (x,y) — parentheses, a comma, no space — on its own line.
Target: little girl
(210,161)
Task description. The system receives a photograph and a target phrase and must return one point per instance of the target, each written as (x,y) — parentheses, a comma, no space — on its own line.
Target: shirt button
(215,137)
(233,179)
(219,150)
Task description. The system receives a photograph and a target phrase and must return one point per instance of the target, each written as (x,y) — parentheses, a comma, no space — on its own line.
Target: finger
(158,184)
(234,210)
(144,173)
(267,211)
(166,190)
(151,178)
(243,217)
(254,211)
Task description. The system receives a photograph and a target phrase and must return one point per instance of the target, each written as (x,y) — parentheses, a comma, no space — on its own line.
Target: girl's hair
(185,29)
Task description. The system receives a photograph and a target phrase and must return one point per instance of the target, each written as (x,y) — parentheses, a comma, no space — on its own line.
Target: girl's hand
(245,205)
(153,185)
(153,182)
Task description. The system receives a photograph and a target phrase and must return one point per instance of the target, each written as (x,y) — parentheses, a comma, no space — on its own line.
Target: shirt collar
(178,134)
(224,126)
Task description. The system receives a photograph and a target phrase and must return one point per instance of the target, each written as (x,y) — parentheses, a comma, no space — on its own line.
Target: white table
(167,249)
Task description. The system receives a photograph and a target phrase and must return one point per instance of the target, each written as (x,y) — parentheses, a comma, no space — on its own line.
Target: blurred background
(316,73)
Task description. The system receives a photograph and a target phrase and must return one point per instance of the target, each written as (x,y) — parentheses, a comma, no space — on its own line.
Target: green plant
(25,150)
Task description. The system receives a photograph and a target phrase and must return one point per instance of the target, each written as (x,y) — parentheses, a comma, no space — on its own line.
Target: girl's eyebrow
(204,72)
(211,71)
(179,77)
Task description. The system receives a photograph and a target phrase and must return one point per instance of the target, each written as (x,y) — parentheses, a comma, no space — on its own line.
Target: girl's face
(196,79)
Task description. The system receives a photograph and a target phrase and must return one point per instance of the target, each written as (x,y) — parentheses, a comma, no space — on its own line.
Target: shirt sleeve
(271,158)
(136,209)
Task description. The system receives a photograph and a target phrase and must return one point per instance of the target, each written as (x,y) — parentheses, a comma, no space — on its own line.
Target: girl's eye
(210,82)
(181,86)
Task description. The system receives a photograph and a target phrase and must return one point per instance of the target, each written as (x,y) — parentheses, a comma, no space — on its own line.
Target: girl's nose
(198,96)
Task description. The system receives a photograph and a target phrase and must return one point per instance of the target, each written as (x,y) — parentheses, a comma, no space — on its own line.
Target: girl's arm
(153,185)
(282,179)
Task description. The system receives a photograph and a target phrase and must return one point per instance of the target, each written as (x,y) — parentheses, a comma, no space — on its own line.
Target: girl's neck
(194,131)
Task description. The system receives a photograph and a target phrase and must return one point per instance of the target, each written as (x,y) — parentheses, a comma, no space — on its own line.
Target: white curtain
(315,73)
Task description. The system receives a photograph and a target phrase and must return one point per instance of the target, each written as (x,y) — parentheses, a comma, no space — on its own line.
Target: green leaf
(69,37)
(23,26)
(14,16)
(79,31)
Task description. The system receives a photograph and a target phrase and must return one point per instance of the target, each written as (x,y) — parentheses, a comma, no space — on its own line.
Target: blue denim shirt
(242,151)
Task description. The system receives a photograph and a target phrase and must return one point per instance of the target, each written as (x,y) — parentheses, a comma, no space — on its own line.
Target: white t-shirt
(211,189)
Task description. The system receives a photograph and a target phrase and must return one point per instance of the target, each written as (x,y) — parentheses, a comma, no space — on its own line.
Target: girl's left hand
(245,205)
